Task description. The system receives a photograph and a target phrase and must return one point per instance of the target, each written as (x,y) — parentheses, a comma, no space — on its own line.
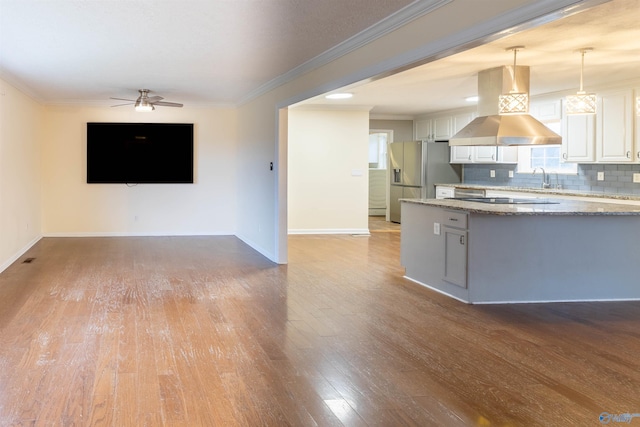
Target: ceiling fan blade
(155,98)
(120,105)
(167,104)
(123,99)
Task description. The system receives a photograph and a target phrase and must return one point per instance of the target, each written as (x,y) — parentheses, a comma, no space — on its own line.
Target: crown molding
(400,18)
(331,107)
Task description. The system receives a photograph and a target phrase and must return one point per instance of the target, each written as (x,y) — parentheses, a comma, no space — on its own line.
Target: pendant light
(514,102)
(582,102)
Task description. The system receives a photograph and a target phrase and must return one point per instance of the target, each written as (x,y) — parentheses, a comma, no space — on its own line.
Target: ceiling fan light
(144,107)
(581,103)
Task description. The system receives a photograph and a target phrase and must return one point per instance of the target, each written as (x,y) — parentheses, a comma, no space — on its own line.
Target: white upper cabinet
(546,110)
(460,121)
(614,128)
(441,127)
(423,130)
(578,138)
(431,129)
(485,154)
(461,154)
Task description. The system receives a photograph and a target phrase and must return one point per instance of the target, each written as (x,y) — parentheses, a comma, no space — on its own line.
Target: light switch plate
(600,176)
(436,228)
(510,174)
(636,177)
(492,173)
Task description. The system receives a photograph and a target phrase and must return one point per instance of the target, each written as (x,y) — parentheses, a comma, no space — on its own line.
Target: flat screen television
(139,153)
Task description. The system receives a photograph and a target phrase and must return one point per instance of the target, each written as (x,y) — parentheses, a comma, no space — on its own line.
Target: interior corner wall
(71,207)
(21,121)
(328,182)
(455,23)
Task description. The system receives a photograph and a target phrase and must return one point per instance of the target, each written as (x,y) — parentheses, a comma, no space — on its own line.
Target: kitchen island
(568,250)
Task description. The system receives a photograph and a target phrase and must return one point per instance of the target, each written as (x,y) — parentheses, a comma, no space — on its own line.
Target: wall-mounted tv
(139,153)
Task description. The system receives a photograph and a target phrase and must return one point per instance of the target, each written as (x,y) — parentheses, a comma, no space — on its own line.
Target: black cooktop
(506,200)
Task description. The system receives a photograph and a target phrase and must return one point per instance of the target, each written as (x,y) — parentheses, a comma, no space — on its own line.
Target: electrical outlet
(600,176)
(636,177)
(436,228)
(492,173)
(510,174)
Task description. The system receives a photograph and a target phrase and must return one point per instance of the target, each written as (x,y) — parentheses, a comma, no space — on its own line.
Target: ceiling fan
(146,102)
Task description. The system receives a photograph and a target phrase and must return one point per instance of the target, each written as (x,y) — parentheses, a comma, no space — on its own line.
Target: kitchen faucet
(545,182)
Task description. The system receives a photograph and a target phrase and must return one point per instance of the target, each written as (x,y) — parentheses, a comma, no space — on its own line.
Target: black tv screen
(139,153)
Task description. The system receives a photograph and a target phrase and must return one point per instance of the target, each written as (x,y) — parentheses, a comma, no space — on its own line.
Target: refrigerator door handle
(397,176)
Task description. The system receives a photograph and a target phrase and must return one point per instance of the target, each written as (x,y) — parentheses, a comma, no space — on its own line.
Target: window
(548,157)
(378,149)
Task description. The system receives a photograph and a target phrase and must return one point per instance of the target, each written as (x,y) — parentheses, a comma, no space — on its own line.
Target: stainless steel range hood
(490,128)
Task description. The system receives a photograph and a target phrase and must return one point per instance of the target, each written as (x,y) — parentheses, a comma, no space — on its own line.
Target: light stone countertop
(541,191)
(564,207)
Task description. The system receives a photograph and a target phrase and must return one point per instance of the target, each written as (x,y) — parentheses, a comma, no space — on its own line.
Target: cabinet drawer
(444,192)
(455,219)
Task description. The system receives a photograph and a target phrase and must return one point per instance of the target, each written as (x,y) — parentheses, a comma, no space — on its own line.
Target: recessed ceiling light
(339,96)
(471,99)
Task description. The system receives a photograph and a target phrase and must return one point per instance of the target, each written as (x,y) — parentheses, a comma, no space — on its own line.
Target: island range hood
(491,128)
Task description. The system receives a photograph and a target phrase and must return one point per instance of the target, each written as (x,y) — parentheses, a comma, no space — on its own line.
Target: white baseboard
(436,290)
(136,234)
(356,231)
(269,255)
(18,254)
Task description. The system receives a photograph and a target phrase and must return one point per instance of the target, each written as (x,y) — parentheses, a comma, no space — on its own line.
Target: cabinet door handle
(453,219)
(493,157)
(564,155)
(470,156)
(462,240)
(638,154)
(628,154)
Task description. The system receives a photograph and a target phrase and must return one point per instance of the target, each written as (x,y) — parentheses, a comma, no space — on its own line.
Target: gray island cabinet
(482,253)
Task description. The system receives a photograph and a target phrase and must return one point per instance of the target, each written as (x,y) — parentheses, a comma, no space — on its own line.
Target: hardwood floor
(203,331)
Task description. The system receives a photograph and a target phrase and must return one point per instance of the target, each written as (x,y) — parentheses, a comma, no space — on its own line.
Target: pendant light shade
(514,102)
(582,102)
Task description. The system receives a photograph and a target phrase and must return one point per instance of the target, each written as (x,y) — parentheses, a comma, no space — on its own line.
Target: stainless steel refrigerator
(416,167)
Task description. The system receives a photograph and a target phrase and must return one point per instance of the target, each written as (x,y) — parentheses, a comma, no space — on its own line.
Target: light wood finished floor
(203,331)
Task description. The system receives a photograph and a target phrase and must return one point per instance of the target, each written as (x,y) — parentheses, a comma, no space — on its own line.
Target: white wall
(20,135)
(325,148)
(71,207)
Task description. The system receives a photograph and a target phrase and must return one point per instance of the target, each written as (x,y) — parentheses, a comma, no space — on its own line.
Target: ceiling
(218,52)
(551,51)
(189,51)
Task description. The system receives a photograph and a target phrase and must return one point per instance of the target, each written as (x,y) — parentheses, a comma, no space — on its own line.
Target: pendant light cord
(514,86)
(583,51)
(582,71)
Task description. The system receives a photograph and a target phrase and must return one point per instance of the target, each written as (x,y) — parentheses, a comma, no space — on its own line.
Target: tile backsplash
(618,179)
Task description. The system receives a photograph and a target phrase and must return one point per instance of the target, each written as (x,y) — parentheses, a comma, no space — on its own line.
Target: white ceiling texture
(551,51)
(220,51)
(190,51)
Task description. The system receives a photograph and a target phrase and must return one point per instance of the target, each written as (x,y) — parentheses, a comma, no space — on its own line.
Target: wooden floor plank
(204,331)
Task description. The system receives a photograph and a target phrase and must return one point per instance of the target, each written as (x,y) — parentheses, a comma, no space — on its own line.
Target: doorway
(379,140)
